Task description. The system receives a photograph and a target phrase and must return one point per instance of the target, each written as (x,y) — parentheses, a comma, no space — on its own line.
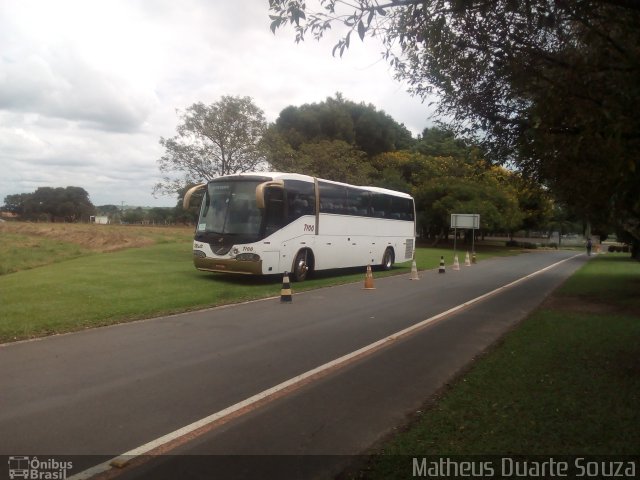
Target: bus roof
(308,178)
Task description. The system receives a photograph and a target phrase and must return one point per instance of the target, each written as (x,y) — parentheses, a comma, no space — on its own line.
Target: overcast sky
(87,88)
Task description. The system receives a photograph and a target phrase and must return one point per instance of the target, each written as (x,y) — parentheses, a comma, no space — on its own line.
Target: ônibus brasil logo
(34,469)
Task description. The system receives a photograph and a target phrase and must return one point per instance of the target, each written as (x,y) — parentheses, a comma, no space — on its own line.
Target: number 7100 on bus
(268,223)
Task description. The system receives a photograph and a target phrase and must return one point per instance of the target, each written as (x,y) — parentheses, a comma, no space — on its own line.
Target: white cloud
(88,88)
(63,86)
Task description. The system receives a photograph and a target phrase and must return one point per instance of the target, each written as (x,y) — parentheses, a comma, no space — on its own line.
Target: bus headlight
(248,257)
(199,254)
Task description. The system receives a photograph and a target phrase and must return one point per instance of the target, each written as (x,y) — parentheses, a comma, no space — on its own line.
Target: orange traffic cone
(456,263)
(368,279)
(441,269)
(285,293)
(467,260)
(414,271)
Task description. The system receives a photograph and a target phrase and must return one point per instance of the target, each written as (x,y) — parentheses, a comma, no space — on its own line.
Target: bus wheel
(387,259)
(302,265)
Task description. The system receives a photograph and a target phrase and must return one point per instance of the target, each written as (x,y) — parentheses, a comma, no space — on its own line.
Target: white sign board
(465,220)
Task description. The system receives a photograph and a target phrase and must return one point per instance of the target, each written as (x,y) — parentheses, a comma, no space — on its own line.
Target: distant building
(100,220)
(8,215)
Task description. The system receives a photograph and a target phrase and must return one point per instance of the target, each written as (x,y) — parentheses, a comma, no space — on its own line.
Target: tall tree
(443,142)
(16,203)
(212,140)
(363,126)
(70,204)
(446,185)
(552,86)
(331,159)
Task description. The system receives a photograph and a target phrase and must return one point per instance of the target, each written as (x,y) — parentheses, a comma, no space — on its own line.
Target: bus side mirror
(260,191)
(187,196)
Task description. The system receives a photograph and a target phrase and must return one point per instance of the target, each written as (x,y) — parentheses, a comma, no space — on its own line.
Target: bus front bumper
(228,265)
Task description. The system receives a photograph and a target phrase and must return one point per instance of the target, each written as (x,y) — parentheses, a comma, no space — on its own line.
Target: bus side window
(380,205)
(402,208)
(358,202)
(333,198)
(300,199)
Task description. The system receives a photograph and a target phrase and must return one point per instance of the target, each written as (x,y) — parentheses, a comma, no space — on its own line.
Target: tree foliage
(445,173)
(553,87)
(443,142)
(70,204)
(330,159)
(456,179)
(212,140)
(363,126)
(334,139)
(446,185)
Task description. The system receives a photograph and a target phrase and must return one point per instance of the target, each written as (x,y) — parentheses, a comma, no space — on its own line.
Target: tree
(551,86)
(335,139)
(443,142)
(160,215)
(447,174)
(536,203)
(190,215)
(70,204)
(447,185)
(333,160)
(16,203)
(133,216)
(397,170)
(363,126)
(108,210)
(212,140)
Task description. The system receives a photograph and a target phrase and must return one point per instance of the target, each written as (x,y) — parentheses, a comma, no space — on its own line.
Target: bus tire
(387,259)
(302,265)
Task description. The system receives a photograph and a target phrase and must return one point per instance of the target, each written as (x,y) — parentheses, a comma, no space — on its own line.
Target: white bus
(269,223)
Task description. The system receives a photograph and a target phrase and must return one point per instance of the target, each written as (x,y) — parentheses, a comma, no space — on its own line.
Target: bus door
(274,220)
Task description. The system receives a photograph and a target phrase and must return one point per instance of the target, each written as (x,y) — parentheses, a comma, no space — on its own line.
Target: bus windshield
(229,208)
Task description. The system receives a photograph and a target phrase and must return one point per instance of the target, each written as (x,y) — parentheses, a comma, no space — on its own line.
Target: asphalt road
(99,393)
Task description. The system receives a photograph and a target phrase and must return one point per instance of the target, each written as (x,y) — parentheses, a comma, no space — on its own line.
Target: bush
(619,249)
(529,245)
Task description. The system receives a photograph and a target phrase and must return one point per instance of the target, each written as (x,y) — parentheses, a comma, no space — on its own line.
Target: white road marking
(127,457)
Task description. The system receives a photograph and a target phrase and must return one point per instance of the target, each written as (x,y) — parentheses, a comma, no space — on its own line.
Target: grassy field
(29,245)
(63,277)
(20,252)
(564,382)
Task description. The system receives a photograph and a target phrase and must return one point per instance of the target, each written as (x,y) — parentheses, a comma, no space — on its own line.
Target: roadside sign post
(466,221)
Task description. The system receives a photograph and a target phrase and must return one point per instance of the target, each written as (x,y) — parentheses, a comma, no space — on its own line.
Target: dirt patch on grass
(587,305)
(100,238)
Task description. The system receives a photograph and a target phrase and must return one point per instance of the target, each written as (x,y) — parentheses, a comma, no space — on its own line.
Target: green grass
(611,278)
(77,285)
(105,288)
(564,382)
(101,289)
(21,252)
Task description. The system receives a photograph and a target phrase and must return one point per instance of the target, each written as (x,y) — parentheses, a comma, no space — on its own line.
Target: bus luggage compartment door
(270,262)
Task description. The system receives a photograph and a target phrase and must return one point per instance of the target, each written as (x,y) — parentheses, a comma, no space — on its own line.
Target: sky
(87,88)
